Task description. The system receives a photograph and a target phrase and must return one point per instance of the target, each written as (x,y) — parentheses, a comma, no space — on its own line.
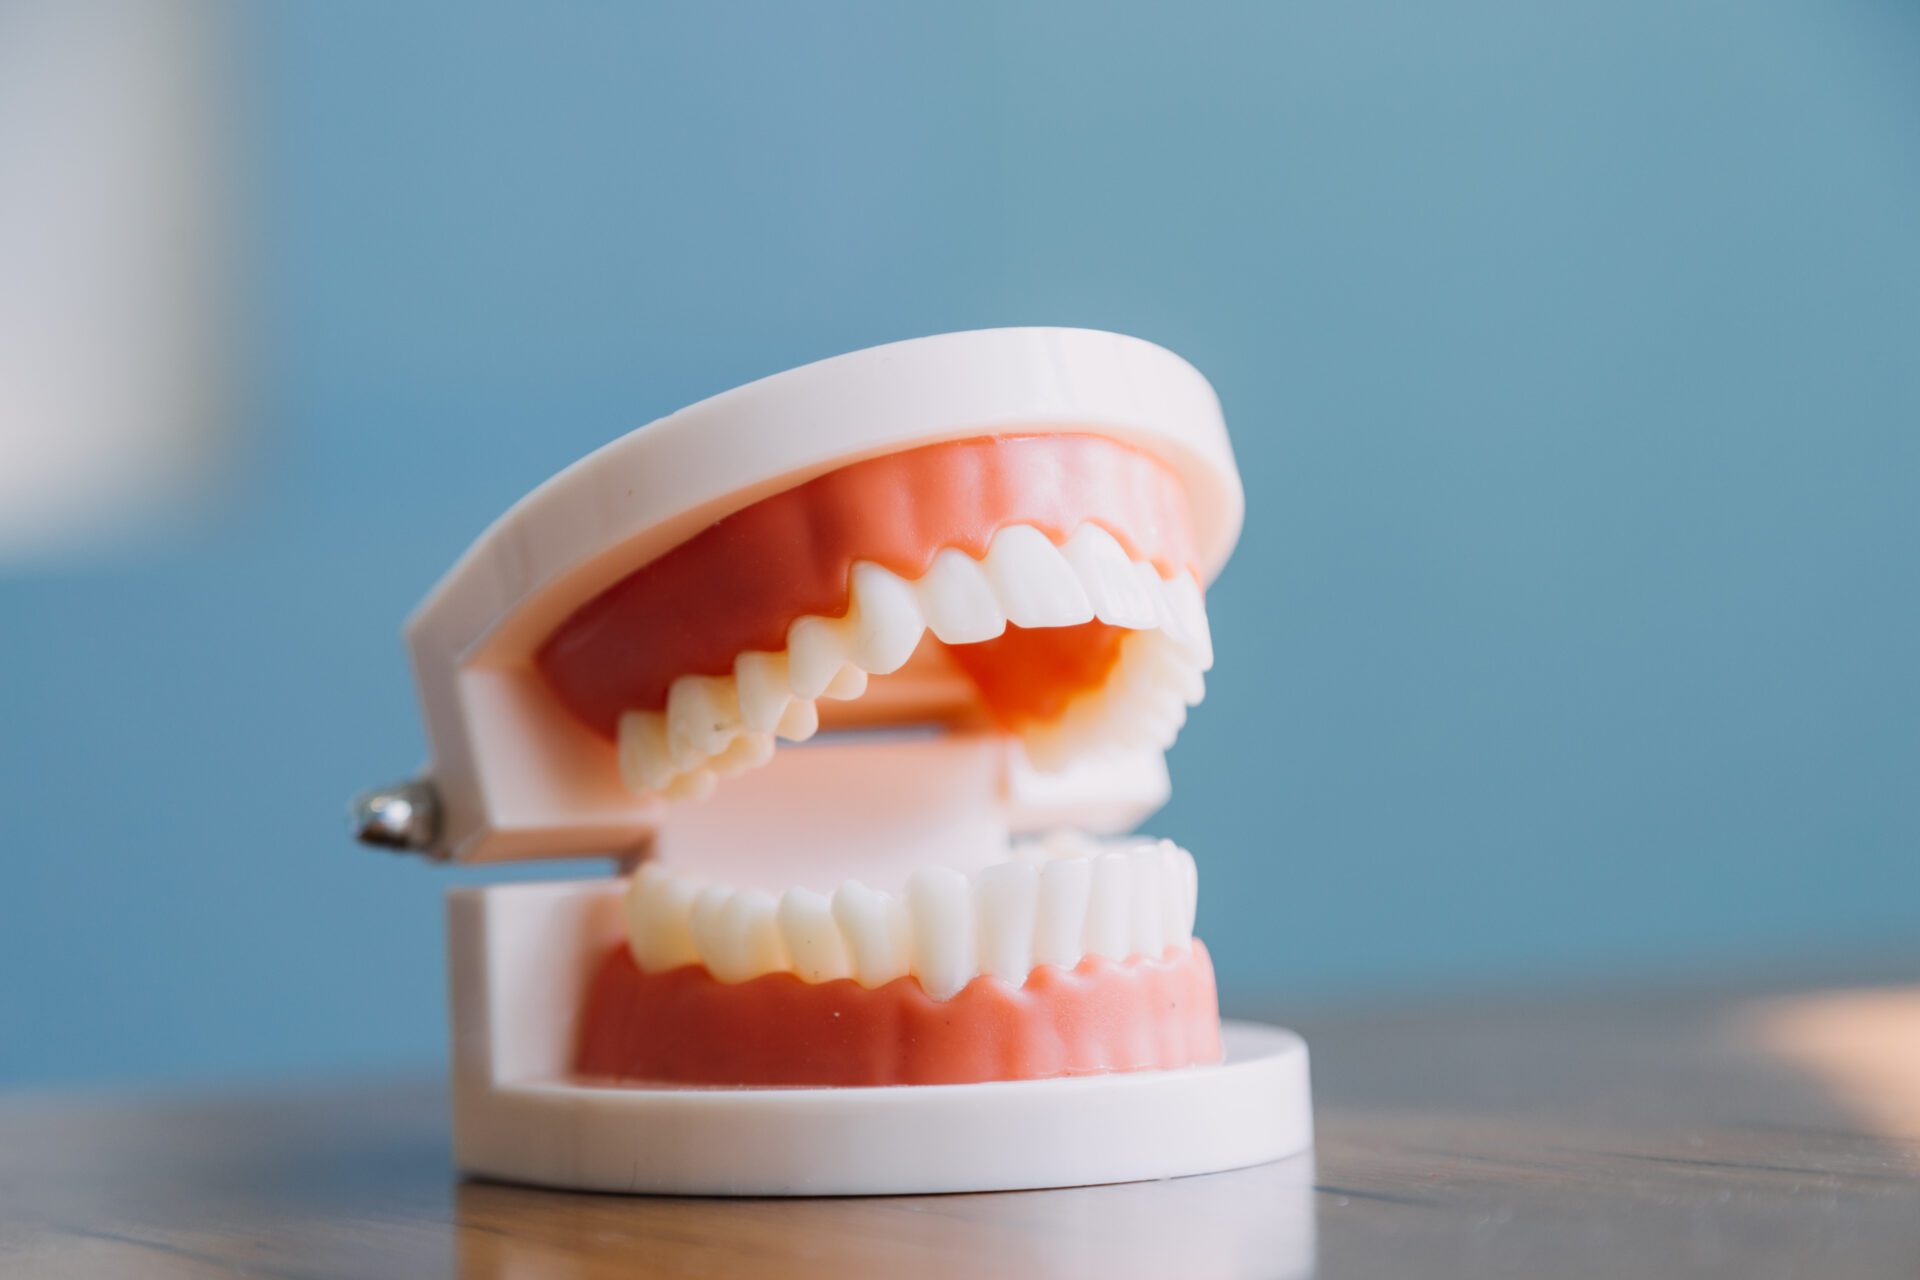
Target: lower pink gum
(685,1026)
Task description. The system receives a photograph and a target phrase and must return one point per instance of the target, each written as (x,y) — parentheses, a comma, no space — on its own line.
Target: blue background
(1572,355)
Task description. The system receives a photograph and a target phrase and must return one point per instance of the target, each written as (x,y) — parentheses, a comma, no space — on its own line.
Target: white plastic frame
(517,776)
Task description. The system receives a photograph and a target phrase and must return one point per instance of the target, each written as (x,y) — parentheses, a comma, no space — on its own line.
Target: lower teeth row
(1053,902)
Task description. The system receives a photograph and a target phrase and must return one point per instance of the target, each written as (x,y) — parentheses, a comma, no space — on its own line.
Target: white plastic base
(519,959)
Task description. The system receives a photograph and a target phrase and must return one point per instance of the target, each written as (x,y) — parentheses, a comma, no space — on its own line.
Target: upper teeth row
(718,725)
(1051,903)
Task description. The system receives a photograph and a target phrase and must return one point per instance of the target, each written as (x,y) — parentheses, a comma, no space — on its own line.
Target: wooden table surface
(1750,1138)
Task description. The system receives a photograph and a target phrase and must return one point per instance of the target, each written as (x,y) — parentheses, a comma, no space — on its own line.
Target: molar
(658,905)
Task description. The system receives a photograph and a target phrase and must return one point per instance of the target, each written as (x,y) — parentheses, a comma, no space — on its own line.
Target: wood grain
(1726,1138)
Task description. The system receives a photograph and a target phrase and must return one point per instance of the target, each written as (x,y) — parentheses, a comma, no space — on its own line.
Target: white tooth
(702,718)
(1033,581)
(1061,917)
(752,925)
(1189,608)
(887,622)
(1164,664)
(874,925)
(940,908)
(1109,913)
(695,786)
(1005,900)
(1107,574)
(1066,842)
(645,762)
(707,925)
(763,689)
(748,751)
(959,605)
(816,648)
(1146,934)
(847,684)
(1187,876)
(1154,588)
(800,721)
(1191,685)
(658,903)
(814,944)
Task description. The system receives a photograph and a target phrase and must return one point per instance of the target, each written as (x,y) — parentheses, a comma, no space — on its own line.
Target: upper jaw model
(967,573)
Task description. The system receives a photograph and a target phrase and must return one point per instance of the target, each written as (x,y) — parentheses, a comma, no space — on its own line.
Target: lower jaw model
(974,646)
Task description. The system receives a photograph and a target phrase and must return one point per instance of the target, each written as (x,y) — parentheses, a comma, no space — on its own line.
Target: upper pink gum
(739,584)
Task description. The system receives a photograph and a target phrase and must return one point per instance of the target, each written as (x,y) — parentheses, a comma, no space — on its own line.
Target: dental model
(860,672)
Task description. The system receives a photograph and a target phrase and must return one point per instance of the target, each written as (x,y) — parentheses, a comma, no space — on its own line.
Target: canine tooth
(1109,914)
(887,623)
(848,683)
(658,903)
(763,689)
(645,762)
(1006,898)
(1033,581)
(816,648)
(702,717)
(956,600)
(800,721)
(874,925)
(1060,916)
(1106,573)
(813,940)
(941,911)
(1146,933)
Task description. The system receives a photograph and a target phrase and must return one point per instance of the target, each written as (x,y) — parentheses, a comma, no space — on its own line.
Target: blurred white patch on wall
(115,266)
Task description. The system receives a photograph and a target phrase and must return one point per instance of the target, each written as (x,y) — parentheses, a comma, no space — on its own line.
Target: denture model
(859,672)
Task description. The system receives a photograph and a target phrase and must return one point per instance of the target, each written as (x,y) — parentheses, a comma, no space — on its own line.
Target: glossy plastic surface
(518,775)
(522,955)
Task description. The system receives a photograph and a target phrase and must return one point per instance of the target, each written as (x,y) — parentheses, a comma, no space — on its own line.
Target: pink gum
(739,584)
(684,1026)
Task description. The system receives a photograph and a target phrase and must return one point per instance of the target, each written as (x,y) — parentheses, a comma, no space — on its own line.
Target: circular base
(1253,1107)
